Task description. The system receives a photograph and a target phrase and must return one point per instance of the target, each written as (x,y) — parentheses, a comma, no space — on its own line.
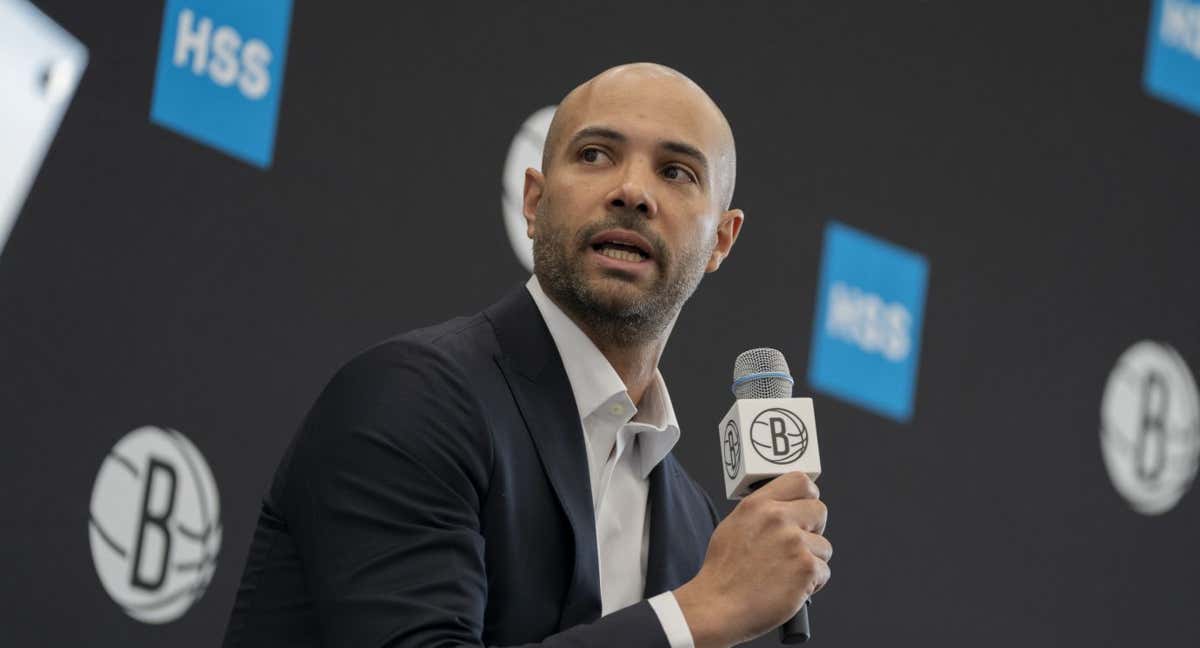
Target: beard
(616,314)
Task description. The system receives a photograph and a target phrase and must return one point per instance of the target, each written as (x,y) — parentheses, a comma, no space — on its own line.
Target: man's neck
(634,362)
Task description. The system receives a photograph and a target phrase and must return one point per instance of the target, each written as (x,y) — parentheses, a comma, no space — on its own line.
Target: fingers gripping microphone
(765,434)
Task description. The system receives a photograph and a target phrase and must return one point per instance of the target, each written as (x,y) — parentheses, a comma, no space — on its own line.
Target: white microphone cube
(763,438)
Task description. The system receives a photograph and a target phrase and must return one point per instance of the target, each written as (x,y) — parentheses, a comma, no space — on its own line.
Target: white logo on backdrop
(1150,427)
(40,65)
(223,54)
(155,525)
(525,152)
(866,320)
(1180,26)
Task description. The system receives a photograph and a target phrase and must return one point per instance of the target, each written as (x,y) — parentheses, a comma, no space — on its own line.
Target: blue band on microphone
(759,376)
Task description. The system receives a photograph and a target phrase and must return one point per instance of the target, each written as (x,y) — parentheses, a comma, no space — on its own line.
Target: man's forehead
(660,106)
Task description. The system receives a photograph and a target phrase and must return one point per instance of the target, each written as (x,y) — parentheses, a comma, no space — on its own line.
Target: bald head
(647,86)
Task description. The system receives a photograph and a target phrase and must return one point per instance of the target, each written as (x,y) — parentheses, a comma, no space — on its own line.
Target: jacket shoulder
(411,397)
(456,343)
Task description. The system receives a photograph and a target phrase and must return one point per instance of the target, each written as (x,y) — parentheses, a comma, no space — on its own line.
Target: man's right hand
(763,562)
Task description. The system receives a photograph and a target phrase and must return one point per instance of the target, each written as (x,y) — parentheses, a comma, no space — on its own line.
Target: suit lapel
(534,372)
(677,541)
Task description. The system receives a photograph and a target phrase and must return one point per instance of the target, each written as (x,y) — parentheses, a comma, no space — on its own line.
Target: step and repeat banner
(971,228)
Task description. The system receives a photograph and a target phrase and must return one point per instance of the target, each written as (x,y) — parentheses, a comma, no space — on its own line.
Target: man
(506,478)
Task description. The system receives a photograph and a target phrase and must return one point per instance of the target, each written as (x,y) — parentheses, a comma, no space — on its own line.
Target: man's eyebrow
(603,132)
(688,150)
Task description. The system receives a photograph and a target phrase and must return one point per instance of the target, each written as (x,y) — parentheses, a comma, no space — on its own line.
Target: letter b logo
(155,524)
(160,480)
(779,436)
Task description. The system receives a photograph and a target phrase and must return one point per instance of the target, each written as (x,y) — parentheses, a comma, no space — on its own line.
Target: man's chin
(616,293)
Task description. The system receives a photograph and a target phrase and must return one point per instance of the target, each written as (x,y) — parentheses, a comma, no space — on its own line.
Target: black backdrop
(154,281)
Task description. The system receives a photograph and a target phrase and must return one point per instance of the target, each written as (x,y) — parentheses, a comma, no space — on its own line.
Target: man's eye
(592,155)
(678,173)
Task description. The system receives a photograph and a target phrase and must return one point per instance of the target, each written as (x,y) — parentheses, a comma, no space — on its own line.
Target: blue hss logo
(867,333)
(220,73)
(1172,70)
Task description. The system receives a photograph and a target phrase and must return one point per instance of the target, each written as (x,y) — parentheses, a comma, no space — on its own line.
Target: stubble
(616,316)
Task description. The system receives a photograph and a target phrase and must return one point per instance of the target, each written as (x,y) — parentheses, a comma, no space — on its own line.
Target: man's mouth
(621,245)
(620,252)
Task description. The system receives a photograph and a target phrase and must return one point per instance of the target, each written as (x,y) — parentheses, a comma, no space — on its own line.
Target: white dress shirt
(624,443)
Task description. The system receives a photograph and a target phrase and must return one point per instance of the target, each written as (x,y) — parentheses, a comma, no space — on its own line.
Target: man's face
(629,213)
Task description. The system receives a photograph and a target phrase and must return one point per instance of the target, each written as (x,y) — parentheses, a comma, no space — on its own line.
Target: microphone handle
(797,629)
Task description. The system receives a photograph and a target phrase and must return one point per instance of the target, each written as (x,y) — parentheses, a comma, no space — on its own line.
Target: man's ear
(535,183)
(727,233)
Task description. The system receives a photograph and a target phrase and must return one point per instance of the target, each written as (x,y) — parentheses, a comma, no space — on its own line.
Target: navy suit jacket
(437,494)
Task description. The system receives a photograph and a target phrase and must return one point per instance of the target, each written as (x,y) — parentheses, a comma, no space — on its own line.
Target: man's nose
(633,194)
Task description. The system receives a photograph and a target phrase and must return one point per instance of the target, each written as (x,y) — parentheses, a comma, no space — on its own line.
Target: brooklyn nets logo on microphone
(1150,427)
(779,436)
(731,450)
(155,524)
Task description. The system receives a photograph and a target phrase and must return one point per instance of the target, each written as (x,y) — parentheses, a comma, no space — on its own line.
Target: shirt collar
(594,381)
(661,430)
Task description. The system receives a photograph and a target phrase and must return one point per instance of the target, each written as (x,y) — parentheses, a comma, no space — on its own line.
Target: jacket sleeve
(383,494)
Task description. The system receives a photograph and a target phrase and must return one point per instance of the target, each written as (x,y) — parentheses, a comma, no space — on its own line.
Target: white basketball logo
(525,152)
(778,435)
(1150,427)
(155,524)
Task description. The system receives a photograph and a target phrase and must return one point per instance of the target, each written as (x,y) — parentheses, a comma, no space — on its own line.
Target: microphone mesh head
(757,361)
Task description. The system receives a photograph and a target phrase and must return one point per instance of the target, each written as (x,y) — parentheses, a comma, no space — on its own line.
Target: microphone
(767,433)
